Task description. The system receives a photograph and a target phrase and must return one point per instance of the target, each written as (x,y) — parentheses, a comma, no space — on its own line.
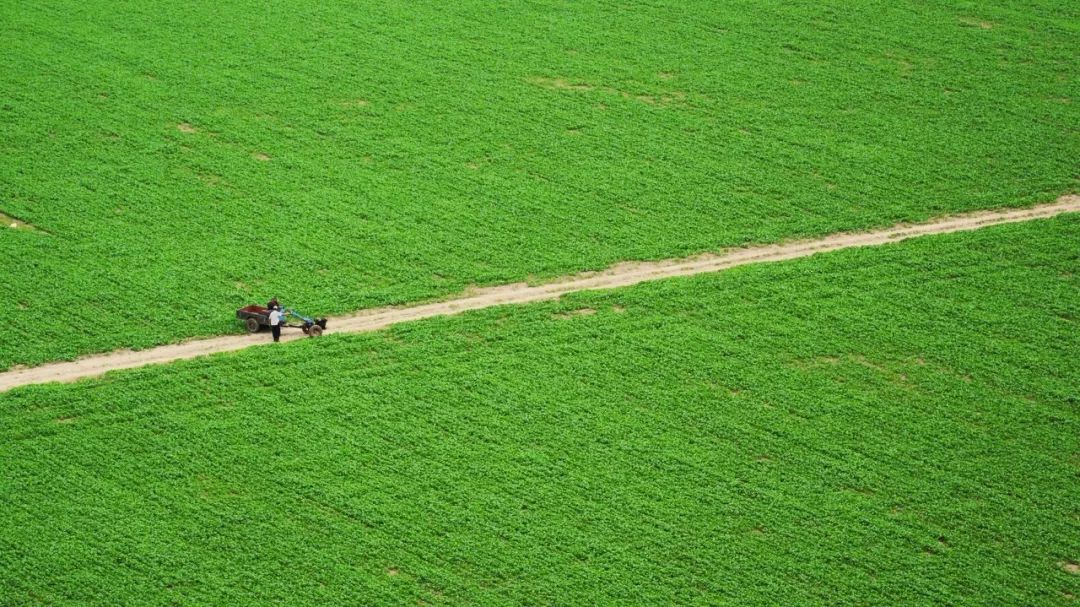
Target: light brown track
(620,275)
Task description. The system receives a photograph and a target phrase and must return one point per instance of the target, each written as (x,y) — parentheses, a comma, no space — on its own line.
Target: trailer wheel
(315,330)
(252,325)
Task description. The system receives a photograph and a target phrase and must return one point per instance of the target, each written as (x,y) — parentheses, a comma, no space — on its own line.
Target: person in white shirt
(275,322)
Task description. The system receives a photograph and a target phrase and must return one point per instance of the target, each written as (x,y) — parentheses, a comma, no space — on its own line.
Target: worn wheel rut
(620,275)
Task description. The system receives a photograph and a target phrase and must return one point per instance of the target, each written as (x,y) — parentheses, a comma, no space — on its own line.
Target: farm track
(619,275)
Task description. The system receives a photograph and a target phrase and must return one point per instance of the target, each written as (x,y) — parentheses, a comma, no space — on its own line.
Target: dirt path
(619,275)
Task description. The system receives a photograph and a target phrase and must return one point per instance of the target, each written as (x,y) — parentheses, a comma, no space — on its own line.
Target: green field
(173,161)
(888,426)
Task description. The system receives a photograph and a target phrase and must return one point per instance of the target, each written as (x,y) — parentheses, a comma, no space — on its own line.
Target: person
(275,322)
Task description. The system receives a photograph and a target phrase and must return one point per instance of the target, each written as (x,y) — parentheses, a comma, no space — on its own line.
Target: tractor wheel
(252,325)
(315,330)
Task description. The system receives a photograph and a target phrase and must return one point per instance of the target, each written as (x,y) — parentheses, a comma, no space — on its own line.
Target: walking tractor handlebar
(289,312)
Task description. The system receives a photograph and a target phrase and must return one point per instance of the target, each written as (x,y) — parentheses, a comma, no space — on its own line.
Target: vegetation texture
(168,162)
(896,426)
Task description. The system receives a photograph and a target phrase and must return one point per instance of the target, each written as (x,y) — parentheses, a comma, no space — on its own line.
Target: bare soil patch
(559,84)
(1071,567)
(184,127)
(862,360)
(260,157)
(664,99)
(864,491)
(562,84)
(573,313)
(979,23)
(816,362)
(210,179)
(14,223)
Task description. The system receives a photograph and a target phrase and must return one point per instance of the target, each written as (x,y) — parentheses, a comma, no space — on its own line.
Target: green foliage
(181,160)
(889,426)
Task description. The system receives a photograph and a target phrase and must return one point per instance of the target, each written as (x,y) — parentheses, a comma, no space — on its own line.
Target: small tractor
(256,317)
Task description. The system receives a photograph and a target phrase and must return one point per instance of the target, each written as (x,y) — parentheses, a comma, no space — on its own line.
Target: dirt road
(619,275)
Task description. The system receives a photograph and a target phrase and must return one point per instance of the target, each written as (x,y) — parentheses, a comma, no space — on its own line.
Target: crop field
(165,163)
(888,426)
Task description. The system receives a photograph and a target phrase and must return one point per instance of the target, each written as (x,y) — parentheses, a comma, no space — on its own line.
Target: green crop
(181,160)
(889,426)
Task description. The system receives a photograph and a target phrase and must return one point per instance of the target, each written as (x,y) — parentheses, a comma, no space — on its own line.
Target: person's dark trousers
(276,330)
